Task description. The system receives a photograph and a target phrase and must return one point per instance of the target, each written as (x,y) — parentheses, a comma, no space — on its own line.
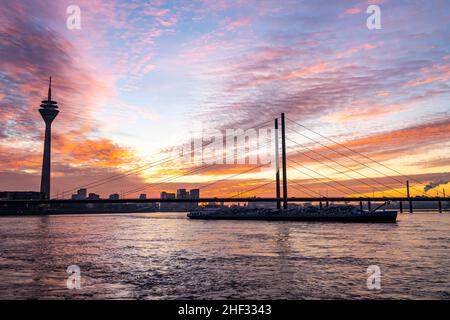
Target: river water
(166,256)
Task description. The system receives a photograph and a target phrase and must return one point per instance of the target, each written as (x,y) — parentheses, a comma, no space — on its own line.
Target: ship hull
(374,217)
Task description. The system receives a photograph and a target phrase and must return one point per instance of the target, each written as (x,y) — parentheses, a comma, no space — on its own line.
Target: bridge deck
(228,200)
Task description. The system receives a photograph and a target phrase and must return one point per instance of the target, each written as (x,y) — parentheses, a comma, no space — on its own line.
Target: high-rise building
(167,206)
(48,111)
(194,194)
(166,195)
(93,196)
(81,194)
(182,194)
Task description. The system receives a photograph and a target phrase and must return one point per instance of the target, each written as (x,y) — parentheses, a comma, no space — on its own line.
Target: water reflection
(151,256)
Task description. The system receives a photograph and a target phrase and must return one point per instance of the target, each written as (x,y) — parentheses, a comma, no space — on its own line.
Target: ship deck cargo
(332,214)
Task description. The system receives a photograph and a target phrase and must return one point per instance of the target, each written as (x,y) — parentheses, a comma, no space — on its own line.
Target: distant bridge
(361,200)
(281,190)
(228,200)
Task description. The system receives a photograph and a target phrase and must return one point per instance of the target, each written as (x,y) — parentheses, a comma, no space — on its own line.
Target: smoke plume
(434,184)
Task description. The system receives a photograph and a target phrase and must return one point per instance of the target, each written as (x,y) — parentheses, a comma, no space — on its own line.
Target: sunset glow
(135,80)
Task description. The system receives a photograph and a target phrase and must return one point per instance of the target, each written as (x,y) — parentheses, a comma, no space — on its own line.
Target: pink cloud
(168,22)
(435,73)
(231,25)
(307,71)
(155,12)
(353,50)
(376,1)
(365,113)
(353,10)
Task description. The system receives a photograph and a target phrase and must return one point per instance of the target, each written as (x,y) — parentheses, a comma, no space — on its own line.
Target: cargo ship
(346,213)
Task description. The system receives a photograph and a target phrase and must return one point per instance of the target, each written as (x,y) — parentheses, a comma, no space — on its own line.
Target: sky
(139,78)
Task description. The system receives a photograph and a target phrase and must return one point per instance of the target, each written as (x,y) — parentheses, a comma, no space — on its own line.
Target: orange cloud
(219,170)
(365,113)
(434,163)
(382,146)
(435,73)
(102,153)
(310,70)
(421,82)
(18,160)
(76,153)
(408,138)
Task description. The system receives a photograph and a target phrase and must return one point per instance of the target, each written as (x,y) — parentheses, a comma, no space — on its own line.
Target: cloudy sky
(139,75)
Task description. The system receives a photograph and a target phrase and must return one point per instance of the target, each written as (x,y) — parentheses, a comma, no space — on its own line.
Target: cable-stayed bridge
(316,148)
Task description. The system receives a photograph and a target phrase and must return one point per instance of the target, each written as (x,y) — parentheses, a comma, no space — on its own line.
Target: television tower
(48,111)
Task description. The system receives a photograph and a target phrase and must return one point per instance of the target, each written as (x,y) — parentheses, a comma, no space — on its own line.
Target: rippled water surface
(166,256)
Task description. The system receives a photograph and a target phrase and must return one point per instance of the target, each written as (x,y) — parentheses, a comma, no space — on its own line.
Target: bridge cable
(181,175)
(253,189)
(178,176)
(358,153)
(309,193)
(139,169)
(341,172)
(302,185)
(301,190)
(118,176)
(337,182)
(319,181)
(231,177)
(173,178)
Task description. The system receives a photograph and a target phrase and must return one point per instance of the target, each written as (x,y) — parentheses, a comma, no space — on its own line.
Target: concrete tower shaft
(48,111)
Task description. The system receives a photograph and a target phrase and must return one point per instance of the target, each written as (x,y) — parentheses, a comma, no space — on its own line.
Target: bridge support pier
(277,166)
(409,197)
(440,206)
(283,155)
(369,206)
(401,206)
(320,205)
(361,206)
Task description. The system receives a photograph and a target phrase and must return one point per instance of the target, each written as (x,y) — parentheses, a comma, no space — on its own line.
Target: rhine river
(166,256)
